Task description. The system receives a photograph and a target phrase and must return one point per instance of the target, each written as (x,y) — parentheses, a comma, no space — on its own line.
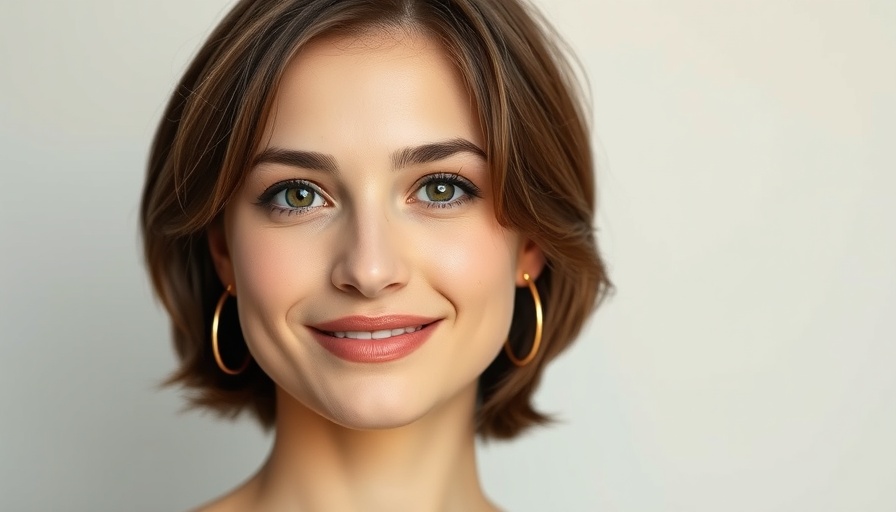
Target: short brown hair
(538,151)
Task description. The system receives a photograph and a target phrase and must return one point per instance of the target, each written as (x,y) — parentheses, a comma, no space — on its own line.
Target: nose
(371,259)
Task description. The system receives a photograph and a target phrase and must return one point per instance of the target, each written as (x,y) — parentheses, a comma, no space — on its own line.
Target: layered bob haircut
(537,146)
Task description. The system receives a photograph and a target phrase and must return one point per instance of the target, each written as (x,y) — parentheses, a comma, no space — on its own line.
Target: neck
(428,465)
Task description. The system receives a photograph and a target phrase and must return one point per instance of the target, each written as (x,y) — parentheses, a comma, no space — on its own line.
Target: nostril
(370,269)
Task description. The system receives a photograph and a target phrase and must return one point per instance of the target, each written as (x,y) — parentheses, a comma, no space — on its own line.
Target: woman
(350,208)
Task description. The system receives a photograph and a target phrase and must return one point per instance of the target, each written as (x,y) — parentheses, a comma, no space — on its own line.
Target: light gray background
(748,212)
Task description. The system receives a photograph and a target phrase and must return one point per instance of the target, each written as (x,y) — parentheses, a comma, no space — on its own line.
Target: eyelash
(471,191)
(266,198)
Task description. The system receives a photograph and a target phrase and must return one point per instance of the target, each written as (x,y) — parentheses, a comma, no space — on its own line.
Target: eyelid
(266,199)
(450,177)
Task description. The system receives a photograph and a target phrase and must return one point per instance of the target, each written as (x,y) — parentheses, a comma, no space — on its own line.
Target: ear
(530,260)
(220,252)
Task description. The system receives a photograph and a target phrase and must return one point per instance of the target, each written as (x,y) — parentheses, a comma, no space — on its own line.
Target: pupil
(440,191)
(298,197)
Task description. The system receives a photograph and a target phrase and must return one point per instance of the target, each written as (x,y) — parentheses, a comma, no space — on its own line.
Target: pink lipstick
(363,339)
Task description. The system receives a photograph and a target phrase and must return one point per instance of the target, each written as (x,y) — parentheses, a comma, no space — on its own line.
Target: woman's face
(373,281)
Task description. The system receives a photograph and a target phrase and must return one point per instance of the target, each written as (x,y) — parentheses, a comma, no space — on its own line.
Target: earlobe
(531,261)
(220,252)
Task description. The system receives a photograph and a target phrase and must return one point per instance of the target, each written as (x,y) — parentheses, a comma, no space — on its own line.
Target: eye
(296,196)
(445,190)
(439,191)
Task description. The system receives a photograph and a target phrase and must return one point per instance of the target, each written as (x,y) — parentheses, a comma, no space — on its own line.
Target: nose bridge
(371,260)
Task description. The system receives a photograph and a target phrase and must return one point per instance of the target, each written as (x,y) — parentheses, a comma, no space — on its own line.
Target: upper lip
(373,323)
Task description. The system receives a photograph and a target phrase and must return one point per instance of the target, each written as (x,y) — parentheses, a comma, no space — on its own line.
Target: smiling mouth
(374,335)
(361,339)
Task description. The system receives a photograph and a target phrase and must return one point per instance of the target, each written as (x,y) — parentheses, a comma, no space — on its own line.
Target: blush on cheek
(475,254)
(261,264)
(473,267)
(275,267)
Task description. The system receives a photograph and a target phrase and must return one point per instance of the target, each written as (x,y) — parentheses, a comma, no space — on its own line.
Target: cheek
(473,267)
(475,255)
(263,263)
(274,269)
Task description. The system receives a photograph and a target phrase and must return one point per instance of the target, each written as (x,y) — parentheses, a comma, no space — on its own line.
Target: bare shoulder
(226,503)
(223,504)
(237,500)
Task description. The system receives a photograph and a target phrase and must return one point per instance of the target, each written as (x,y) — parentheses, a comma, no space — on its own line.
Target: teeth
(376,335)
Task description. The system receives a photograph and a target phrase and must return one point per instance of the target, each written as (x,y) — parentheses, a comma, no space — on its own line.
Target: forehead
(386,87)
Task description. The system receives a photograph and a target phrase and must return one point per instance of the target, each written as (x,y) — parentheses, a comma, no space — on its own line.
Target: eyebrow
(294,158)
(434,152)
(422,154)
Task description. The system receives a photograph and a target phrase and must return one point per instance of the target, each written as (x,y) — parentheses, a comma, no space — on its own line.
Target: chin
(372,410)
(384,402)
(375,421)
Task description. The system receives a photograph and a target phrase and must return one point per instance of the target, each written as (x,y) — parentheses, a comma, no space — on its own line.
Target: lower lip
(374,351)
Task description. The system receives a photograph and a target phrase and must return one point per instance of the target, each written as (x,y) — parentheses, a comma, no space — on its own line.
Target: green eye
(439,191)
(299,197)
(443,190)
(293,196)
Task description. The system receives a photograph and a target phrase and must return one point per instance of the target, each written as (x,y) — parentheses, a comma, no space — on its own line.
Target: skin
(375,240)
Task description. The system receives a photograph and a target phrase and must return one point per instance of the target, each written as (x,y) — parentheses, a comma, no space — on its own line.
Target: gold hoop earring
(539,325)
(215,321)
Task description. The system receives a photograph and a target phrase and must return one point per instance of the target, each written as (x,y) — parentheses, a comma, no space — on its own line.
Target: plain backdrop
(747,211)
